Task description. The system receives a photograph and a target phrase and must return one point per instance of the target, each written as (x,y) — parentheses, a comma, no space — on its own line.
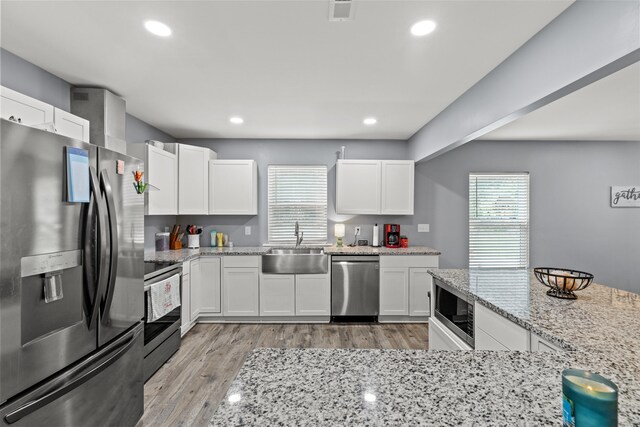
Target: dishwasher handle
(355,259)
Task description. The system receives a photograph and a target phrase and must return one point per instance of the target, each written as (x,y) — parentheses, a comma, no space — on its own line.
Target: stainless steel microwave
(455,310)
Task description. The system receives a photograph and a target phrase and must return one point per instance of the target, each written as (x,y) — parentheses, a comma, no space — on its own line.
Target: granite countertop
(335,387)
(182,255)
(370,250)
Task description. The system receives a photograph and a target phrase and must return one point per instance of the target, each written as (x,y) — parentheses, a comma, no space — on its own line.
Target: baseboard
(403,319)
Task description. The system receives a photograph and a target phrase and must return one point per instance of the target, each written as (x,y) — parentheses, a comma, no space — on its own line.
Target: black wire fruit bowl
(562,281)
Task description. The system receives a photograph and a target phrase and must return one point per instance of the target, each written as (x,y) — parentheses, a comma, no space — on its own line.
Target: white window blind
(297,193)
(499,220)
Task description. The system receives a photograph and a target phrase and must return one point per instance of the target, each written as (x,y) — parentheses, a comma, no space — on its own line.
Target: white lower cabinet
(540,344)
(492,330)
(405,287)
(210,285)
(441,338)
(241,291)
(196,285)
(394,291)
(277,295)
(313,295)
(420,283)
(185,307)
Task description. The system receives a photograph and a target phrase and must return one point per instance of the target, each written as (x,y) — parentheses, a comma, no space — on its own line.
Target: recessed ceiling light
(157,28)
(236,120)
(423,28)
(369,397)
(370,121)
(234,398)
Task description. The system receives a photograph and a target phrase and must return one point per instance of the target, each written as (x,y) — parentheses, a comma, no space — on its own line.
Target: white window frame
(315,236)
(485,252)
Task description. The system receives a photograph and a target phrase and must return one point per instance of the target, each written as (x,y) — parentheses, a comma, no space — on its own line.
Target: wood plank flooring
(188,388)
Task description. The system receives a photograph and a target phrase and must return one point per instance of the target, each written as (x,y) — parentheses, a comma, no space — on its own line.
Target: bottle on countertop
(375,236)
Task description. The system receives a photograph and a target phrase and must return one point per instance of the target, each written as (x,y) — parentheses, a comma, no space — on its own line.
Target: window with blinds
(499,220)
(297,193)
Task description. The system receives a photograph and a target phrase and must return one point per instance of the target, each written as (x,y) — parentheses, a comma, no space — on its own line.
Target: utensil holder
(193,241)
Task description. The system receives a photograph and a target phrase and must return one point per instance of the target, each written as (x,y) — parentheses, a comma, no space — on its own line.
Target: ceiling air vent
(341,10)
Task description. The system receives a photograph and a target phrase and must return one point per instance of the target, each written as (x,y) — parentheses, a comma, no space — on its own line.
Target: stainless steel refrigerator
(71,283)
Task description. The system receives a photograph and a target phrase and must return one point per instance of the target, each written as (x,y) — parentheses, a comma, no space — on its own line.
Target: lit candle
(588,399)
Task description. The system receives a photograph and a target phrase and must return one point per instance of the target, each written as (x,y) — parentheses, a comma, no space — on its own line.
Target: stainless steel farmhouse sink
(295,261)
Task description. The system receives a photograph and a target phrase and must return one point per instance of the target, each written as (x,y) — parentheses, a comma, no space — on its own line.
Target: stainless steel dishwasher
(355,283)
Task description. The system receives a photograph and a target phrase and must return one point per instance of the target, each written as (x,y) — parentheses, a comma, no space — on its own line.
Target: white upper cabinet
(397,187)
(358,186)
(23,108)
(233,187)
(375,187)
(70,125)
(193,179)
(161,170)
(29,111)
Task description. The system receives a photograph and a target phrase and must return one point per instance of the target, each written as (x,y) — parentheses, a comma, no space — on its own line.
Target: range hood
(106,112)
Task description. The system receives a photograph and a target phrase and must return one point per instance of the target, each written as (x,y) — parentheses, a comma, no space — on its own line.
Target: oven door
(454,310)
(157,331)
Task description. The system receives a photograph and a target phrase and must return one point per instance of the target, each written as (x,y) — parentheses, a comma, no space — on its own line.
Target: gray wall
(27,78)
(24,77)
(274,152)
(574,50)
(572,224)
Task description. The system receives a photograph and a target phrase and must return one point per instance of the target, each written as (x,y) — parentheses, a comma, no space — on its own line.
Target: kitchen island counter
(397,387)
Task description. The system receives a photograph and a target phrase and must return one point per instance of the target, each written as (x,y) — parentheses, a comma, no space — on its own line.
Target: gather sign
(627,196)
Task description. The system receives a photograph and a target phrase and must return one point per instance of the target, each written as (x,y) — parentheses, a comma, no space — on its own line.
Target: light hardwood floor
(187,389)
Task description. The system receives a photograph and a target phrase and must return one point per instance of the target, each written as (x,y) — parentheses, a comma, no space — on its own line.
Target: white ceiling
(281,65)
(607,110)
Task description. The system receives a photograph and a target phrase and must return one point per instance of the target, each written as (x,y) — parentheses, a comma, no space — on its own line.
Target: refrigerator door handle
(33,405)
(96,200)
(113,227)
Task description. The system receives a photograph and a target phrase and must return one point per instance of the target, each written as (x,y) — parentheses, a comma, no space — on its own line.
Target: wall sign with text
(627,196)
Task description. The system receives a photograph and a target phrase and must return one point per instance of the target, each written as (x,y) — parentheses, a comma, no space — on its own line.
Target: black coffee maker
(392,235)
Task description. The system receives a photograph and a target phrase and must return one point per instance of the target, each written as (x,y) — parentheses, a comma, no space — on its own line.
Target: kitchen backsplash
(234,226)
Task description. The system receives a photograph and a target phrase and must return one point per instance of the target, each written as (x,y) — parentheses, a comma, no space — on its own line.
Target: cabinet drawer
(409,261)
(507,333)
(241,261)
(484,341)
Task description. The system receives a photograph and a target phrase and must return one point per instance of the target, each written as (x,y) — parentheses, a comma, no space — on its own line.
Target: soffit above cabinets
(282,66)
(607,110)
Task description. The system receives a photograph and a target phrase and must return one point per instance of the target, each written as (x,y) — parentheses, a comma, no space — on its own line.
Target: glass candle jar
(588,399)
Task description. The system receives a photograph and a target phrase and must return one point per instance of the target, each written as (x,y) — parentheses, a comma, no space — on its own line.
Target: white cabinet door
(233,187)
(504,331)
(358,186)
(313,295)
(419,290)
(394,289)
(193,179)
(28,110)
(240,291)
(196,286)
(539,344)
(397,187)
(210,285)
(70,125)
(277,295)
(161,170)
(185,308)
